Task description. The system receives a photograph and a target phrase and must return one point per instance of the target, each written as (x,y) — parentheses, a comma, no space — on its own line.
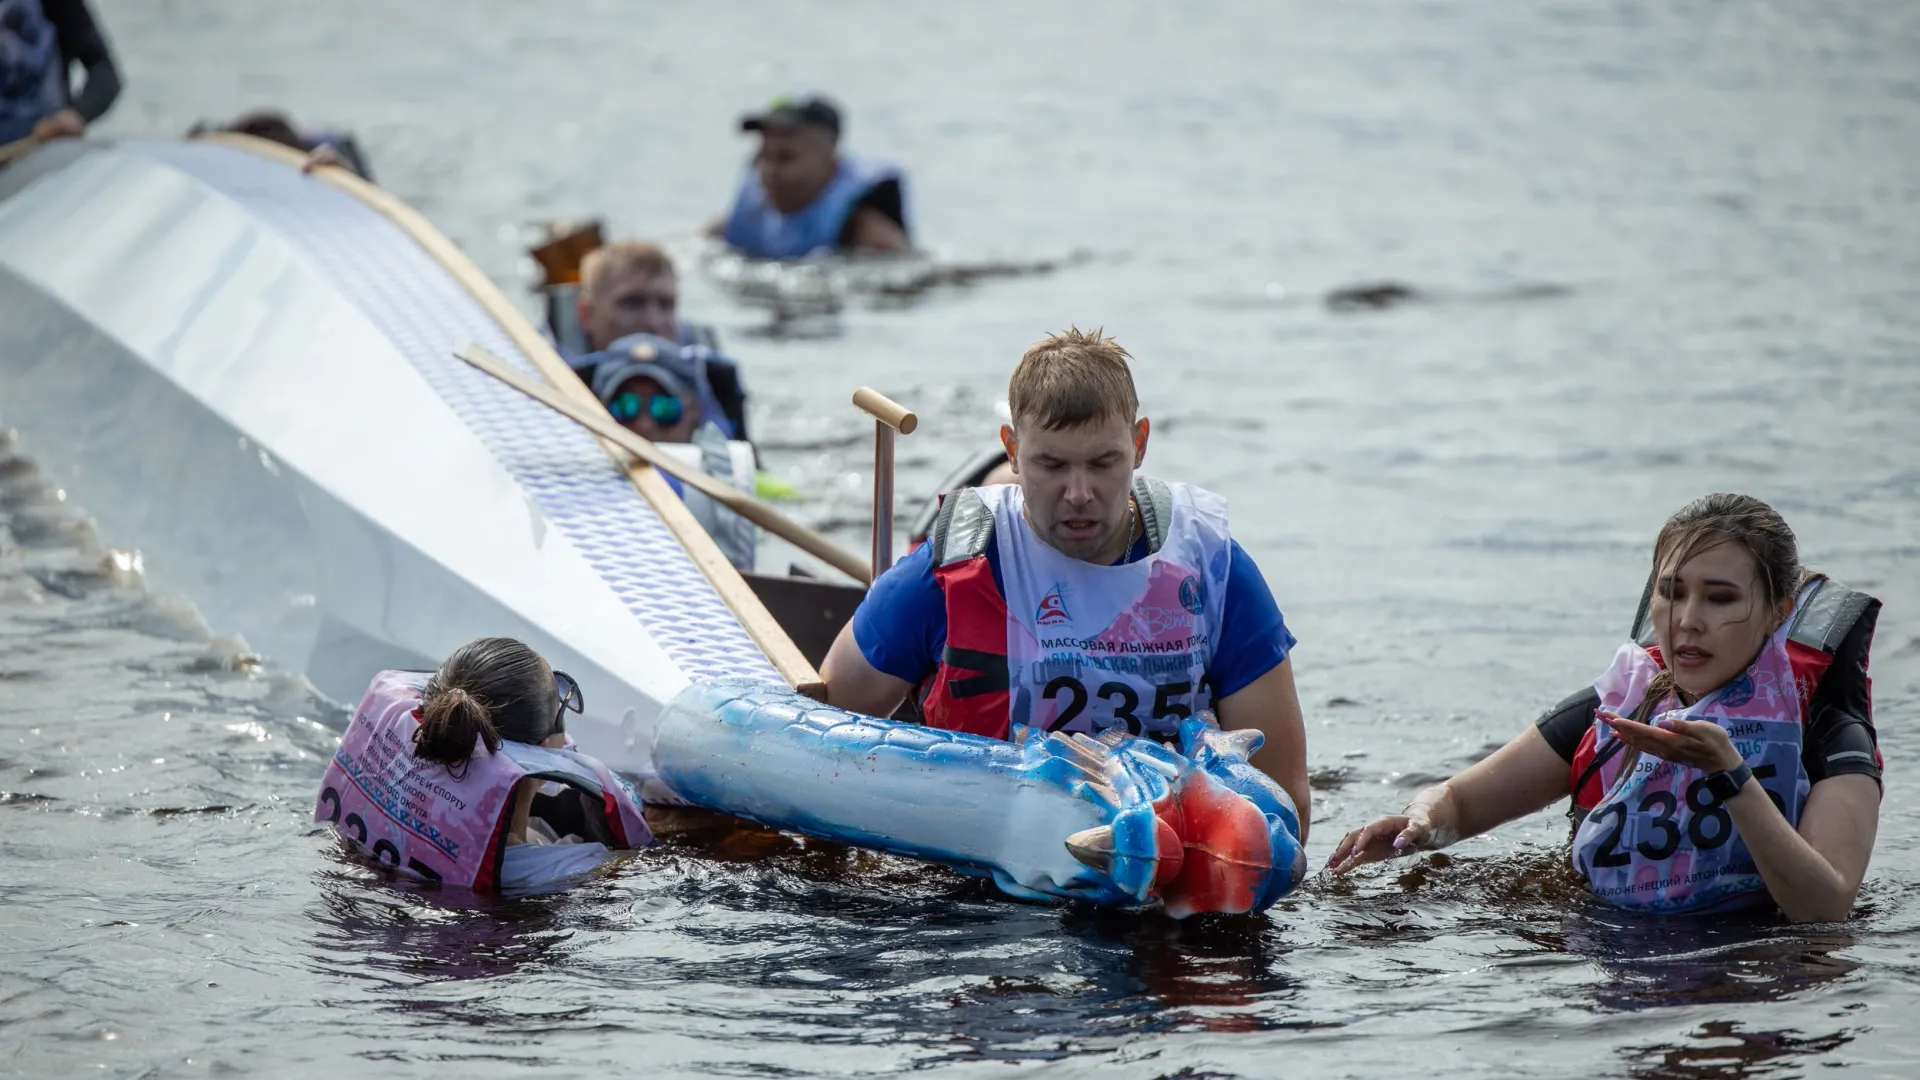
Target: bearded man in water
(1083,597)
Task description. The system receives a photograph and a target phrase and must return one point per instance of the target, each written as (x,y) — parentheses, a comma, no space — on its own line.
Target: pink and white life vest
(416,817)
(1094,647)
(1659,840)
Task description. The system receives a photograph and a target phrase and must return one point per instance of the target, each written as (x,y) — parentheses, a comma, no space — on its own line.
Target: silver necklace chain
(1135,530)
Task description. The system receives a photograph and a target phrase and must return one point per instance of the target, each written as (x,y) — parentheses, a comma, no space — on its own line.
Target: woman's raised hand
(1702,744)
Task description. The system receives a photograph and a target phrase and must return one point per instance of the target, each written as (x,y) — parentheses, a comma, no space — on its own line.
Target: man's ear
(580,309)
(1141,429)
(1012,446)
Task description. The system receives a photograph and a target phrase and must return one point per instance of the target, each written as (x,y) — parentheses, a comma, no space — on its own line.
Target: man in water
(629,287)
(802,195)
(1082,598)
(40,40)
(657,390)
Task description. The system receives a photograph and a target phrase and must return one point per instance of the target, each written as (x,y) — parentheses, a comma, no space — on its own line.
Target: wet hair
(490,689)
(1710,521)
(272,126)
(1072,380)
(622,257)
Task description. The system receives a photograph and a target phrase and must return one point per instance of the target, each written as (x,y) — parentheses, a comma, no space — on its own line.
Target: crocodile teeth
(1094,847)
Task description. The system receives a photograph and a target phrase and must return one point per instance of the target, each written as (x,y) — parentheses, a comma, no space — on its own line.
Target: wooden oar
(599,422)
(9,151)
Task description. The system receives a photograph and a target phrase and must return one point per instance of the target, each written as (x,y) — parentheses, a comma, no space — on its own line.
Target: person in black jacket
(40,41)
(321,147)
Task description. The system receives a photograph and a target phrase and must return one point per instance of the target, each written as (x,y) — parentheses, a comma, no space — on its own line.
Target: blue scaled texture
(1110,819)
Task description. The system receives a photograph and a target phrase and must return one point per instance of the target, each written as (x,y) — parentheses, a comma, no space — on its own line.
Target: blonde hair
(1071,380)
(622,257)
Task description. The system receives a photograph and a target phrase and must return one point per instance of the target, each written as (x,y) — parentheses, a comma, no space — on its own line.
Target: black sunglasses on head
(570,698)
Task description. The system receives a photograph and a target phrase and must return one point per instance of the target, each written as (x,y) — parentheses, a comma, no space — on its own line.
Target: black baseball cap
(795,111)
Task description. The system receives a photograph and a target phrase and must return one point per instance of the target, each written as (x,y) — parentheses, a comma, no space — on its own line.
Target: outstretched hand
(324,155)
(1395,834)
(1702,744)
(1403,833)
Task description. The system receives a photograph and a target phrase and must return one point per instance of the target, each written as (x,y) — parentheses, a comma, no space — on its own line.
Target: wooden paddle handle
(886,410)
(595,419)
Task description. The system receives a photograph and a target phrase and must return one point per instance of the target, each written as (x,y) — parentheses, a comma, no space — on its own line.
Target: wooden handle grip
(886,410)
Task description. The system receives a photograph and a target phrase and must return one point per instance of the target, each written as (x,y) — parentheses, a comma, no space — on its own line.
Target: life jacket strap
(963,528)
(1155,500)
(994,677)
(1825,618)
(1600,759)
(1643,616)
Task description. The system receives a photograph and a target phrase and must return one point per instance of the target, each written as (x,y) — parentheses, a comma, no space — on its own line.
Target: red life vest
(1821,624)
(969,690)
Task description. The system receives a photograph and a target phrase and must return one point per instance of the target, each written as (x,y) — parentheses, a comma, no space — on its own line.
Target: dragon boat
(249,372)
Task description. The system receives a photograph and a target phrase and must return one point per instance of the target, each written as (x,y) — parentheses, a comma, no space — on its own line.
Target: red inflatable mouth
(1225,855)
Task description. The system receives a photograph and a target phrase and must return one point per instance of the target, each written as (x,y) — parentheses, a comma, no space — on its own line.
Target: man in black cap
(802,195)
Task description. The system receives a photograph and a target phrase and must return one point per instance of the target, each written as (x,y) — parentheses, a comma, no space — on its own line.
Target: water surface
(1710,216)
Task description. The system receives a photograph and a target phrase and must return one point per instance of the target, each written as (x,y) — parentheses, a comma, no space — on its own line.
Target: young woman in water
(1727,757)
(462,777)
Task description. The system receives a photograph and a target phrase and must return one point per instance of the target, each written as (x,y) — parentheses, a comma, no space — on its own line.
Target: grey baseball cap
(646,356)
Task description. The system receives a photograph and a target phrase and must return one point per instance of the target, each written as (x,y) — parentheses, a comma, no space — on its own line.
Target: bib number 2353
(1170,701)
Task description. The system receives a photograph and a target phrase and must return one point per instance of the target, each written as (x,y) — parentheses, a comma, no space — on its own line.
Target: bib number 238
(1706,824)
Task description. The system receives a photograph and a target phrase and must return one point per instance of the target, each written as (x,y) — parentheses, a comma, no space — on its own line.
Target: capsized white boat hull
(246,373)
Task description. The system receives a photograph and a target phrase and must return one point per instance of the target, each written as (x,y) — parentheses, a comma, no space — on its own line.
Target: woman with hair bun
(1726,759)
(462,776)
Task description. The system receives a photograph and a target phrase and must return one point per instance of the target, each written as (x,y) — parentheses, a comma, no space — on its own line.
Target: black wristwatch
(1725,785)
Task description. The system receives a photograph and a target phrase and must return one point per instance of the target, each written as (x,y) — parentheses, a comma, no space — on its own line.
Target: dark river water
(1661,250)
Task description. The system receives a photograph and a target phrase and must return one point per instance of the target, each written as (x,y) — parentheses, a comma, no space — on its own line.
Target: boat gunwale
(727,582)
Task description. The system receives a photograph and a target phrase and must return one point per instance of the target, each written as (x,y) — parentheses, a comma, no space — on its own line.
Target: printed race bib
(1659,840)
(1096,647)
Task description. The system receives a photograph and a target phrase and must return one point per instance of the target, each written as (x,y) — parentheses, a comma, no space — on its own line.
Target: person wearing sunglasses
(658,390)
(464,776)
(653,388)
